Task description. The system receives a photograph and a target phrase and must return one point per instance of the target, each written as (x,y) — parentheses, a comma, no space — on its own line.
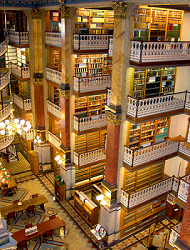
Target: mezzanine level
(21,72)
(53,109)
(53,39)
(54,140)
(89,124)
(25,104)
(91,85)
(53,75)
(28,135)
(178,186)
(5,112)
(135,159)
(151,108)
(91,43)
(19,39)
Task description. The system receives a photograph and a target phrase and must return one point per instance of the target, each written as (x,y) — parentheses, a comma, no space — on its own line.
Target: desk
(11,184)
(53,224)
(20,236)
(37,201)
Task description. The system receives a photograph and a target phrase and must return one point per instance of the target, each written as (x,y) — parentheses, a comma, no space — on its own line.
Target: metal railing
(24,104)
(19,37)
(5,112)
(21,71)
(3,47)
(4,80)
(53,38)
(53,75)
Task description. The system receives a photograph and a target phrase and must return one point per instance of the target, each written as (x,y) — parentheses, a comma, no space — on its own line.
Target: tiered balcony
(87,85)
(53,75)
(28,135)
(91,43)
(174,234)
(5,112)
(53,39)
(4,78)
(23,72)
(54,109)
(89,124)
(23,104)
(6,141)
(160,53)
(19,38)
(156,107)
(178,186)
(86,159)
(54,140)
(3,47)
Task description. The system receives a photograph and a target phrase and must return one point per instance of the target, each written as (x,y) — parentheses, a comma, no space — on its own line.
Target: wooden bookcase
(87,209)
(59,191)
(94,21)
(157,24)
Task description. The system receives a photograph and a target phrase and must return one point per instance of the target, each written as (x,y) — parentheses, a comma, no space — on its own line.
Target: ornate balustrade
(54,109)
(6,141)
(184,150)
(53,75)
(160,105)
(108,101)
(21,71)
(88,158)
(28,135)
(183,188)
(12,149)
(110,47)
(3,47)
(53,38)
(24,104)
(141,156)
(88,84)
(17,37)
(54,140)
(91,42)
(90,122)
(4,79)
(174,234)
(5,112)
(149,52)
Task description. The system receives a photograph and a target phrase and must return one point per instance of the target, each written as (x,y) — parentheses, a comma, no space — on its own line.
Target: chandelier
(13,125)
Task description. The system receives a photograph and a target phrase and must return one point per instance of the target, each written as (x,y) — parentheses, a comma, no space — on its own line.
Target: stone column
(120,87)
(66,169)
(37,77)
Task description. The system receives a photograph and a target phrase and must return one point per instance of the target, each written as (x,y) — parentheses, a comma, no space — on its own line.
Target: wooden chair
(34,195)
(22,245)
(52,217)
(47,235)
(11,216)
(30,210)
(16,201)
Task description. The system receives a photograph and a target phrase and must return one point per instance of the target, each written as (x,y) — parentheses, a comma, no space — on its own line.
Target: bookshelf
(157,24)
(168,80)
(153,83)
(94,21)
(148,133)
(87,209)
(139,83)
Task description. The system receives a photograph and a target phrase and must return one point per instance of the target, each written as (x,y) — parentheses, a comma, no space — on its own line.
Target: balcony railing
(53,75)
(150,52)
(3,47)
(183,188)
(24,104)
(134,158)
(54,140)
(174,234)
(88,158)
(88,84)
(6,141)
(91,42)
(28,135)
(90,122)
(5,112)
(160,105)
(21,71)
(53,38)
(20,38)
(110,48)
(4,79)
(54,109)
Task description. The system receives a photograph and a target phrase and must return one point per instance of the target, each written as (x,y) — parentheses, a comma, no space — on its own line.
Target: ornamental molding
(64,93)
(38,82)
(119,9)
(65,12)
(37,13)
(115,119)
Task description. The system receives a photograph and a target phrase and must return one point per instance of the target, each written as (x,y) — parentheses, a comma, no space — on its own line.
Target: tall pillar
(66,169)
(120,87)
(37,72)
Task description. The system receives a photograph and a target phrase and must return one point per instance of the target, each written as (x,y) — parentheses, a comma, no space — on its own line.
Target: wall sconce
(37,139)
(59,159)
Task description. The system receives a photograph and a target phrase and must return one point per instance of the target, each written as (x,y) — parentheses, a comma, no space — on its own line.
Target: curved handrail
(6,141)
(3,47)
(4,80)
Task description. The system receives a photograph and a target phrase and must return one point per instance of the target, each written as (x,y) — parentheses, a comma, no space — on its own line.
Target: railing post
(128,200)
(132,158)
(137,107)
(79,41)
(185,98)
(141,51)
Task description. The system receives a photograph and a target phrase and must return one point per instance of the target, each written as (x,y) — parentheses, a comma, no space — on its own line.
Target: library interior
(94,125)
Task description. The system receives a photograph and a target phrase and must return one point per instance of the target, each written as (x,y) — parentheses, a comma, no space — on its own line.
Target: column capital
(115,119)
(64,93)
(119,9)
(65,12)
(37,13)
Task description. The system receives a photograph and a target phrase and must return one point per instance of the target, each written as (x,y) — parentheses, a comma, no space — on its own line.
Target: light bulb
(25,129)
(37,137)
(19,131)
(7,122)
(22,122)
(103,202)
(35,140)
(10,132)
(60,162)
(39,141)
(8,127)
(28,124)
(2,132)
(99,197)
(16,120)
(2,124)
(18,126)
(57,157)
